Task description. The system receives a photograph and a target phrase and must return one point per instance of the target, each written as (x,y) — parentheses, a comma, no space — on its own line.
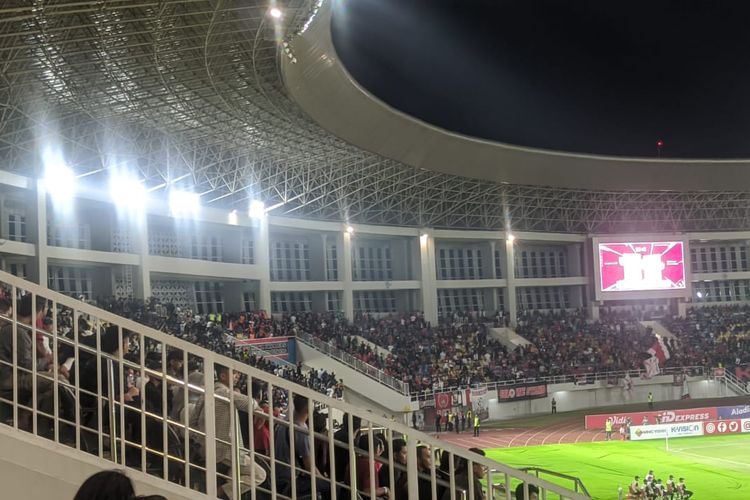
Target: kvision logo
(677,429)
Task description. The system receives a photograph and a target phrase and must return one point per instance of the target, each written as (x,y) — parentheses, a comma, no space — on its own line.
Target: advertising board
(665,417)
(714,427)
(661,431)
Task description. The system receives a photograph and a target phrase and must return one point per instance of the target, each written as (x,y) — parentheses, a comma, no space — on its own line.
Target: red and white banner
(659,350)
(722,427)
(659,356)
(443,401)
(665,417)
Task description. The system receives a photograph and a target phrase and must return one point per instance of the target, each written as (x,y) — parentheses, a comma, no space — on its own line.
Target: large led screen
(654,265)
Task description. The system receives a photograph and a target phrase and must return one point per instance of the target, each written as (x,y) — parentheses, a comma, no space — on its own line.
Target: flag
(659,350)
(443,401)
(657,355)
(652,367)
(685,389)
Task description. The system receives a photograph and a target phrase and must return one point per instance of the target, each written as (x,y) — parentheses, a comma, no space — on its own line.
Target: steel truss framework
(188,93)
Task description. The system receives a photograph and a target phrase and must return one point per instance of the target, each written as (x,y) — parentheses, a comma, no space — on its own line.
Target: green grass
(713,467)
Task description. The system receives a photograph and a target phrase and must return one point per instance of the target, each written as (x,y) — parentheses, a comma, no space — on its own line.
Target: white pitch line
(712,446)
(743,464)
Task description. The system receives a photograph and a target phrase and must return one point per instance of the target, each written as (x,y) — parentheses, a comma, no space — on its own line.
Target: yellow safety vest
(476,421)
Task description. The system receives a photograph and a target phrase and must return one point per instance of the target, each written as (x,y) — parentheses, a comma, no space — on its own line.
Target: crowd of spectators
(460,352)
(218,333)
(714,336)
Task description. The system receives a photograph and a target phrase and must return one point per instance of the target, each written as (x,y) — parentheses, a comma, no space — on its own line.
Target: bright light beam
(183,203)
(127,192)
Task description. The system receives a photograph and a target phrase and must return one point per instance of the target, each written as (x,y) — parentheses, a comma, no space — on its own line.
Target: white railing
(731,380)
(104,405)
(584,378)
(352,362)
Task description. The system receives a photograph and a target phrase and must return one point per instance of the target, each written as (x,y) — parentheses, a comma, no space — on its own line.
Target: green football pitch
(713,467)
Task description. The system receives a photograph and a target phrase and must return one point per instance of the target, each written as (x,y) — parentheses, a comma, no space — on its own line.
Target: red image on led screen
(642,266)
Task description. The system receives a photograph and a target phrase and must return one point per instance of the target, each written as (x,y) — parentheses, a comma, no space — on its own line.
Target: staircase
(56,430)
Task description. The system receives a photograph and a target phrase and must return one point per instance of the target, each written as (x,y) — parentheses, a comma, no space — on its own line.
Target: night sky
(606,76)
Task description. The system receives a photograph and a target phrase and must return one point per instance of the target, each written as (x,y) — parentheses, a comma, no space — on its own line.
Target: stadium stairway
(508,338)
(658,328)
(364,391)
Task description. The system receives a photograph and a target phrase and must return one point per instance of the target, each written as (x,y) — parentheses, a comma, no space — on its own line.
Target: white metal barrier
(101,384)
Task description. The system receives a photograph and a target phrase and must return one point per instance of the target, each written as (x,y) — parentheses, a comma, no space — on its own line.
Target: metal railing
(158,405)
(731,380)
(587,378)
(352,362)
(578,485)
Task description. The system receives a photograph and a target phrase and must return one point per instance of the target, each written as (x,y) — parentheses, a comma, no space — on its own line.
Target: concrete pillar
(429,277)
(262,245)
(345,266)
(493,271)
(142,277)
(41,234)
(324,240)
(317,258)
(510,278)
(574,260)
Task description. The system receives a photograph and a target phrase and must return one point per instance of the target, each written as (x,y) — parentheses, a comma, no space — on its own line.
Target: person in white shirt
(223,398)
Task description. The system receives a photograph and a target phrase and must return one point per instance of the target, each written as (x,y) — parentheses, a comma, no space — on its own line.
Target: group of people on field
(456,421)
(653,488)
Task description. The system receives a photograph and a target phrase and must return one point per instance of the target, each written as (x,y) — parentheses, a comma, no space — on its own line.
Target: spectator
(106,485)
(303,454)
(532,489)
(463,476)
(400,456)
(223,410)
(364,480)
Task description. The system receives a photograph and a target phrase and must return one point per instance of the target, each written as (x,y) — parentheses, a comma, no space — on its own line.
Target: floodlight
(127,192)
(511,237)
(59,179)
(350,229)
(275,13)
(183,202)
(423,238)
(257,209)
(232,217)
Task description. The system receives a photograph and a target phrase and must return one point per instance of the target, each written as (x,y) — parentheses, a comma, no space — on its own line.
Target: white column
(429,277)
(345,266)
(510,290)
(41,233)
(493,271)
(263,260)
(140,237)
(324,237)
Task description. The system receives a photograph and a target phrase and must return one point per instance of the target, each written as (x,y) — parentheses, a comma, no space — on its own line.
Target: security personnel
(476,425)
(608,429)
(650,401)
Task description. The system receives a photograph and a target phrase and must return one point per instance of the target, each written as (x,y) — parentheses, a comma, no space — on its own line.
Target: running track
(566,432)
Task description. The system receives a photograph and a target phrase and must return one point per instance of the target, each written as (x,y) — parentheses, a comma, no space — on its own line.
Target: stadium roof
(194,94)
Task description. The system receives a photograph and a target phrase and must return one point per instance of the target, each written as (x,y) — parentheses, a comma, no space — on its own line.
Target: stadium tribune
(716,467)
